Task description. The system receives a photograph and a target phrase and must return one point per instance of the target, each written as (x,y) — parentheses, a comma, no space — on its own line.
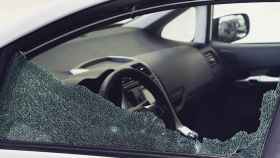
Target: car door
(220,46)
(254,59)
(256,53)
(33,154)
(55,31)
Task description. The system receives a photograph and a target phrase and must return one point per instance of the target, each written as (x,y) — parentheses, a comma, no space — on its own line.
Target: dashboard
(184,72)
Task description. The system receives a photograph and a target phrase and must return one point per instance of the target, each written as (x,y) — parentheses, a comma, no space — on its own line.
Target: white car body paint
(31,154)
(26,19)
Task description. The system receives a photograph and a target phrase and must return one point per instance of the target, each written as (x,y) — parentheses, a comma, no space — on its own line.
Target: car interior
(124,86)
(187,73)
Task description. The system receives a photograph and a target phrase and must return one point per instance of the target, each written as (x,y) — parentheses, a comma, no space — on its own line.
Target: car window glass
(38,107)
(47,111)
(264,23)
(182,28)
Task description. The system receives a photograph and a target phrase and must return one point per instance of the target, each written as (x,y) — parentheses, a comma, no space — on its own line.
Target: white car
(139,78)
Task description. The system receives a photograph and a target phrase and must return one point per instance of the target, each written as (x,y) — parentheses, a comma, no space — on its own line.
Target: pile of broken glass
(38,108)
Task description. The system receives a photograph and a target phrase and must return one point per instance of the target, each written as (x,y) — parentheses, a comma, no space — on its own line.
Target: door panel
(259,49)
(250,57)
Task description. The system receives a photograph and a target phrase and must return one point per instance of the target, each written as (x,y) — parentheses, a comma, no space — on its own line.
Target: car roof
(19,18)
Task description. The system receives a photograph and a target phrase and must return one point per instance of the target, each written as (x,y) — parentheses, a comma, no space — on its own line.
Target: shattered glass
(36,107)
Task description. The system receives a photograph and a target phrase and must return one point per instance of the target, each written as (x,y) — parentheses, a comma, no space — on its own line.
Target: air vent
(142,68)
(211,59)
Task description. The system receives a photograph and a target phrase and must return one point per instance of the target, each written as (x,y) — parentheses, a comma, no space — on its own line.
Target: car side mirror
(231,28)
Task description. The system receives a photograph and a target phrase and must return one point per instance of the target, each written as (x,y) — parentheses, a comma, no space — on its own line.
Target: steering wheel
(112,86)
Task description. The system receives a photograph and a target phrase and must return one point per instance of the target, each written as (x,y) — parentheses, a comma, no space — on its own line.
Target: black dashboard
(184,70)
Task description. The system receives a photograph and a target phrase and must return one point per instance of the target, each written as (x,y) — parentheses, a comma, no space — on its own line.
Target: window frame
(10,50)
(31,45)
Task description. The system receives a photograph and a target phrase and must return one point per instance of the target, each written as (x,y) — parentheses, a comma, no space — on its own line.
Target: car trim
(132,13)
